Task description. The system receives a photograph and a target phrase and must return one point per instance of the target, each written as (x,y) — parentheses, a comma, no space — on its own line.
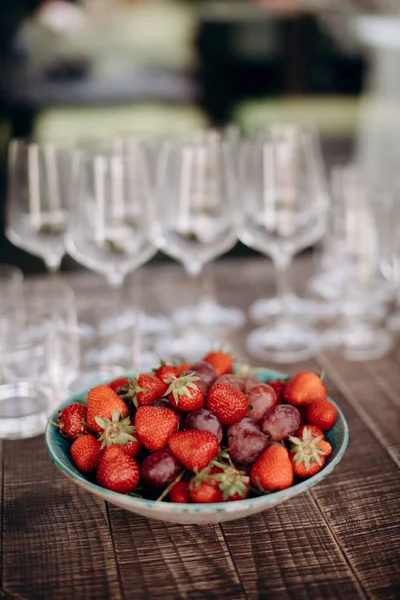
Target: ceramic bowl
(58,449)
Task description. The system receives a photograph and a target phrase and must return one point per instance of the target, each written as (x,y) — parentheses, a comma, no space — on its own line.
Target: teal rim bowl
(59,452)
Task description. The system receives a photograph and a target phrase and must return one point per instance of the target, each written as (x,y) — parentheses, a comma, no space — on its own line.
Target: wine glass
(210,313)
(283,209)
(193,221)
(109,217)
(38,199)
(107,230)
(306,308)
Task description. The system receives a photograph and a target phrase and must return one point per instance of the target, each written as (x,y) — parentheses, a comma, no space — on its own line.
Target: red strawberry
(155,425)
(306,450)
(71,420)
(145,388)
(303,388)
(204,489)
(184,394)
(120,432)
(133,447)
(118,383)
(279,386)
(227,402)
(180,493)
(221,361)
(325,447)
(86,452)
(117,471)
(181,368)
(165,371)
(321,413)
(273,470)
(195,449)
(315,431)
(300,469)
(101,402)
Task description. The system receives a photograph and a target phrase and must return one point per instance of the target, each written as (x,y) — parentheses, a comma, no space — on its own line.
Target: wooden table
(339,541)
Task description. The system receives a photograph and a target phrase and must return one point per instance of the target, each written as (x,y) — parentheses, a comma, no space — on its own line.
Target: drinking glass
(11,281)
(38,199)
(27,389)
(283,209)
(108,228)
(55,301)
(389,245)
(210,313)
(110,344)
(364,334)
(193,221)
(305,308)
(334,269)
(107,231)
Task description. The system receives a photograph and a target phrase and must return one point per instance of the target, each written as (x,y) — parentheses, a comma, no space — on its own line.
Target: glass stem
(208,293)
(195,282)
(136,315)
(282,264)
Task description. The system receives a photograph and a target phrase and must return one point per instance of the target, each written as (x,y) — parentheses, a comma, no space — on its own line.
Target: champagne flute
(282,211)
(38,199)
(193,220)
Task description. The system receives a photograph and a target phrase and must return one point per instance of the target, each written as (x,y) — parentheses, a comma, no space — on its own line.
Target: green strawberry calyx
(132,390)
(231,481)
(306,450)
(116,430)
(182,386)
(201,477)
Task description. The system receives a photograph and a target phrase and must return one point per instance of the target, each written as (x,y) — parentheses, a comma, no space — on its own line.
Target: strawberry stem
(53,423)
(171,485)
(322,375)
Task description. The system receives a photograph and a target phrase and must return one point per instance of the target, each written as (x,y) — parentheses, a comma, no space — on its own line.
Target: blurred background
(104,68)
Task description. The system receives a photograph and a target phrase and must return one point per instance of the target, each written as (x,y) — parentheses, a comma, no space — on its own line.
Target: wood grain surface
(339,541)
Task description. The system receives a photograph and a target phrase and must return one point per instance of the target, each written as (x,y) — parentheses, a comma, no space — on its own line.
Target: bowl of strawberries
(205,442)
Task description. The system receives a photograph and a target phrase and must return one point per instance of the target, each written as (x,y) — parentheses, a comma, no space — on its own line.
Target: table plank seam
(115,552)
(219,525)
(336,541)
(325,363)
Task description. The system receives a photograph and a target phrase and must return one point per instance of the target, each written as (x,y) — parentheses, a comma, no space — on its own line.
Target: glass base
(210,314)
(329,284)
(283,343)
(264,308)
(329,338)
(93,377)
(190,347)
(394,321)
(24,409)
(149,324)
(366,345)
